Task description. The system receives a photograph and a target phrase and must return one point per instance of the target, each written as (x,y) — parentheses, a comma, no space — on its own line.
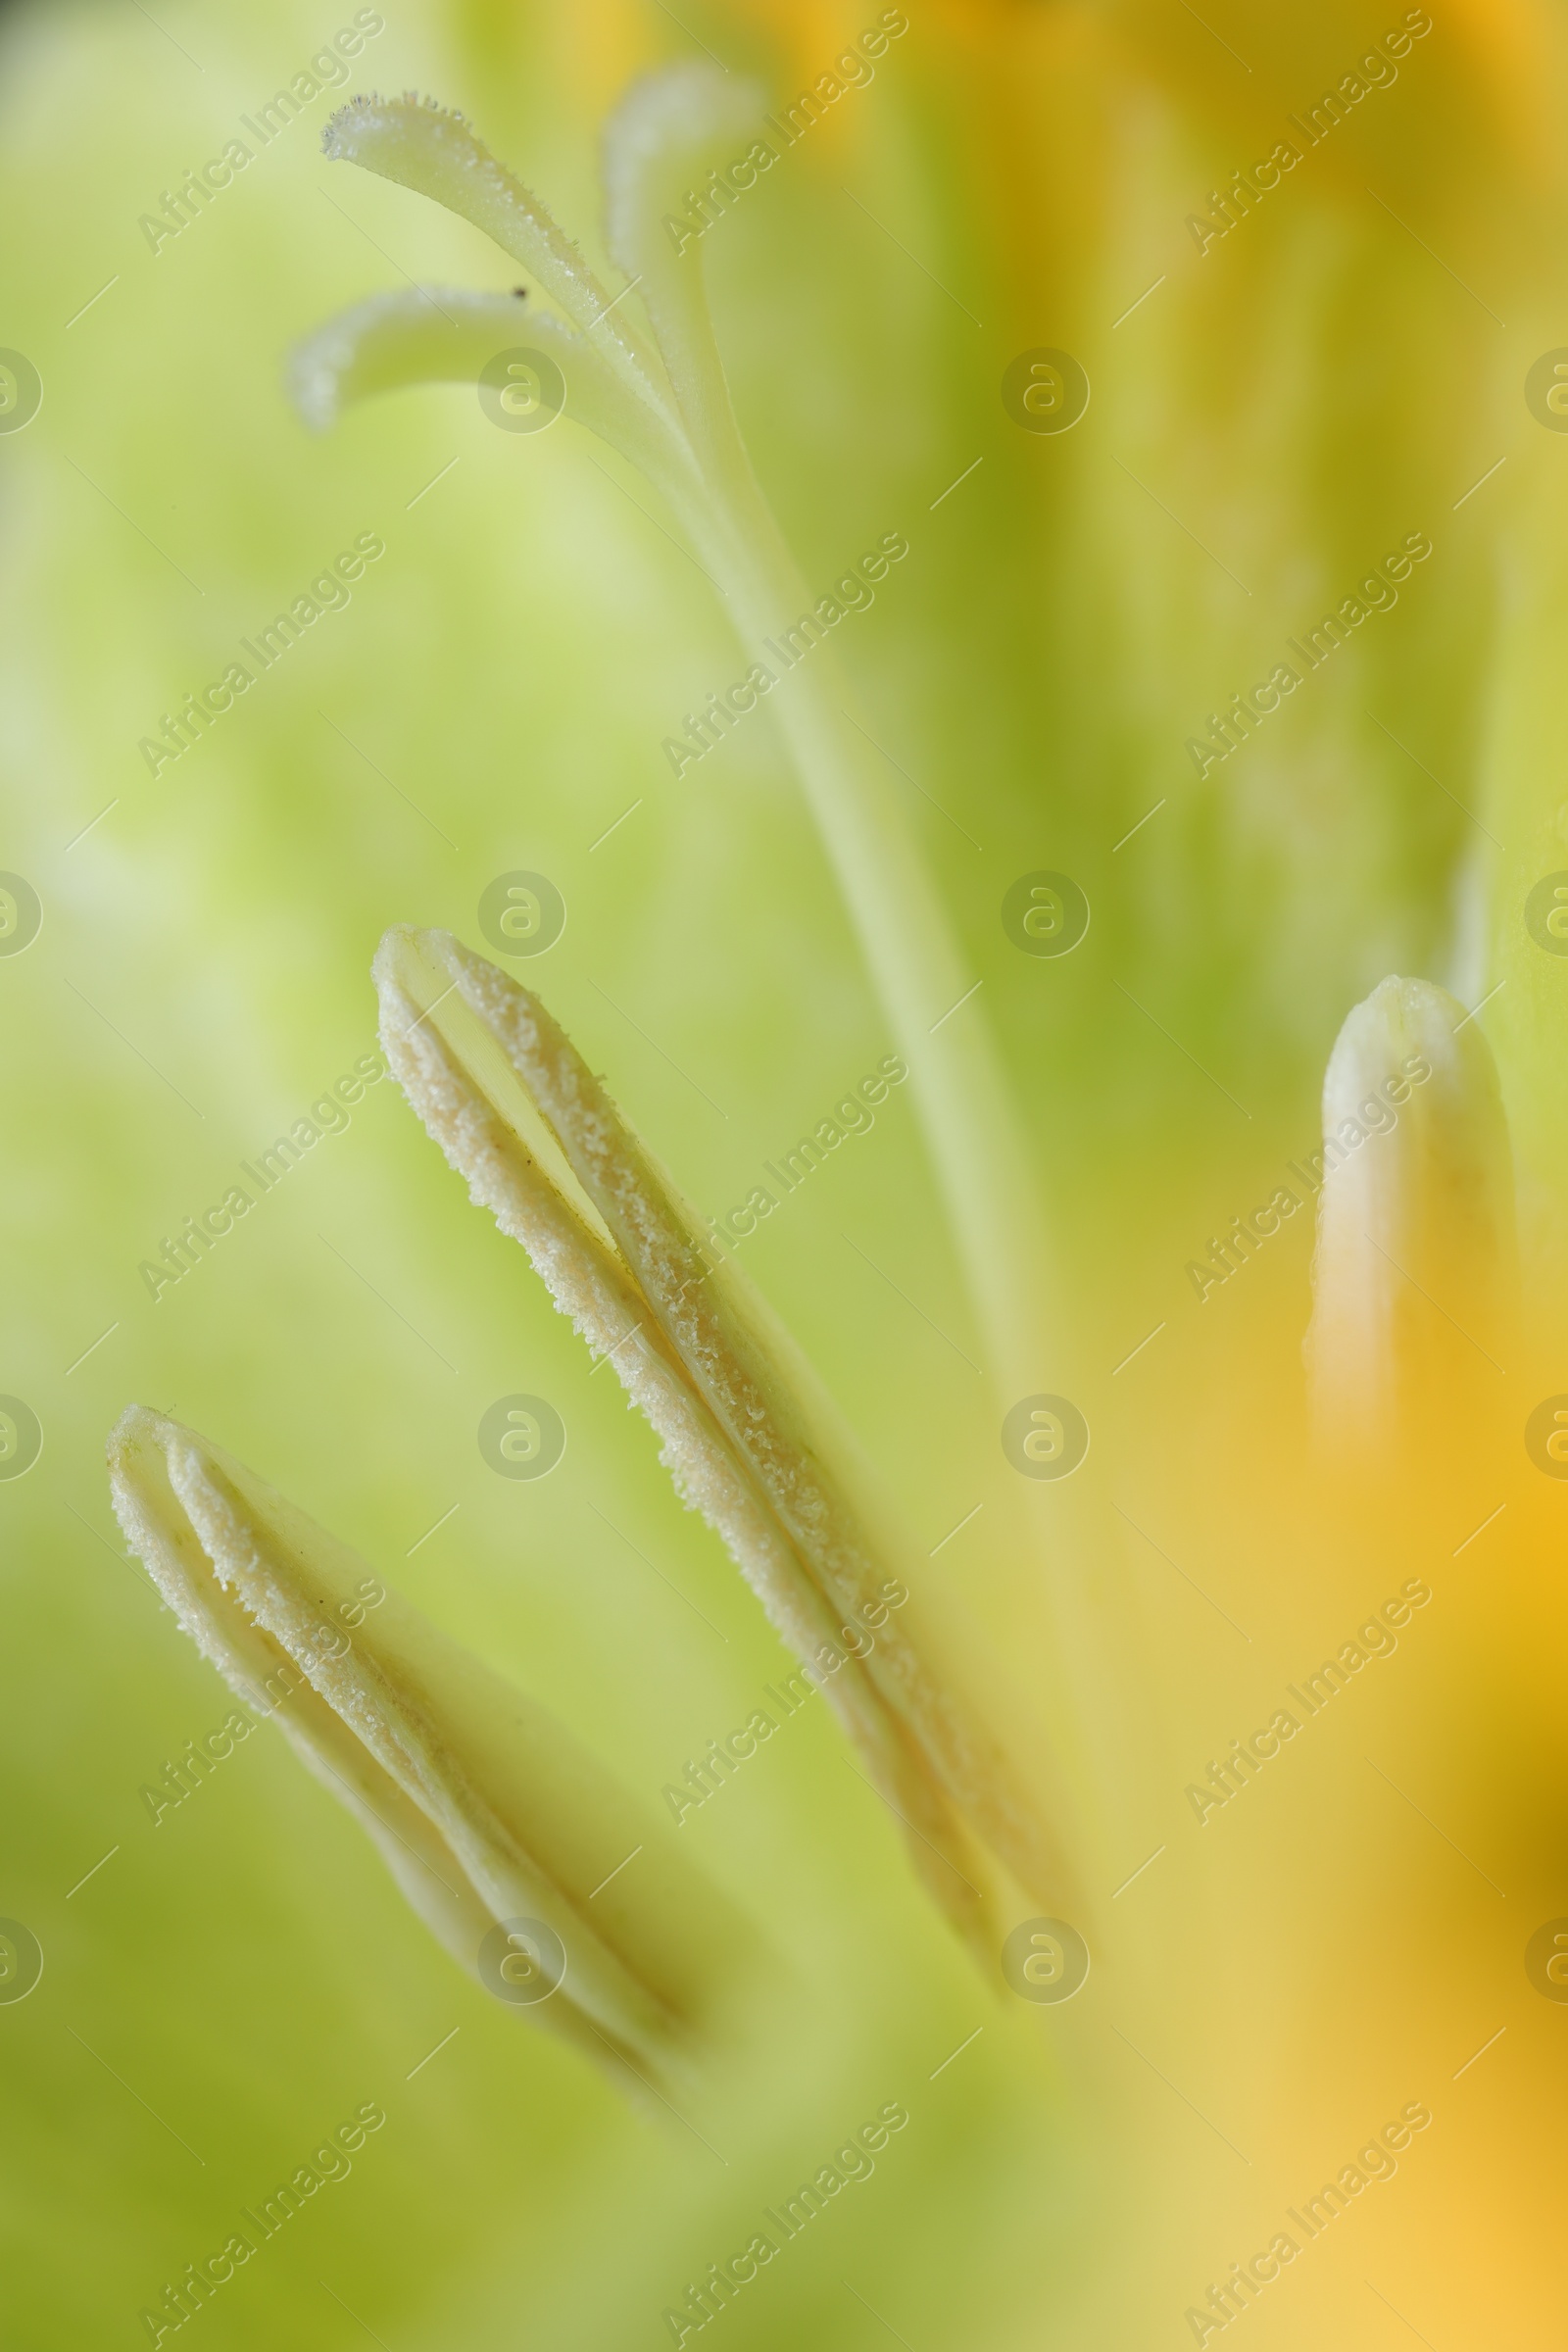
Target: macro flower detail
(748,1435)
(1017,548)
(668,409)
(483,1807)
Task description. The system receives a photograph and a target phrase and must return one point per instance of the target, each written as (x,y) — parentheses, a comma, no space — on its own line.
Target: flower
(1273,416)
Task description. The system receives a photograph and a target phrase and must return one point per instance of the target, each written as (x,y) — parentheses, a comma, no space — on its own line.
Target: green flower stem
(921,979)
(661,139)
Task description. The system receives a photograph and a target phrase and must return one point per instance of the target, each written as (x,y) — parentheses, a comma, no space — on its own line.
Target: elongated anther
(749,1438)
(1415,1279)
(484,1808)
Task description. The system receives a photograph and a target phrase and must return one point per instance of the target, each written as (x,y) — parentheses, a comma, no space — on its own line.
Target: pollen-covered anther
(506,1838)
(749,1437)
